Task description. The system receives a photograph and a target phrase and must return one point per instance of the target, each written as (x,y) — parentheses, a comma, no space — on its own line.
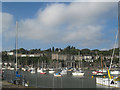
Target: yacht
(115,72)
(78,73)
(109,82)
(64,71)
(32,70)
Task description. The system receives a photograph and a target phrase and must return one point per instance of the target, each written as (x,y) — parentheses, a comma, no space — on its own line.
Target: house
(10,53)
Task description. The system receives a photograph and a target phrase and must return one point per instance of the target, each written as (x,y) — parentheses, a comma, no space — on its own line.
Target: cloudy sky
(43,25)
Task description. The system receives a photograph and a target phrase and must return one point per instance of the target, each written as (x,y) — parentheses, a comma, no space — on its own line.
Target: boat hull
(115,72)
(108,82)
(63,73)
(43,73)
(51,71)
(32,72)
(39,71)
(57,75)
(78,74)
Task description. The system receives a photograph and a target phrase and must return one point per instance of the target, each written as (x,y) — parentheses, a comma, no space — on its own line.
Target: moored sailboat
(41,71)
(100,72)
(18,78)
(64,71)
(111,81)
(51,71)
(115,72)
(78,73)
(57,74)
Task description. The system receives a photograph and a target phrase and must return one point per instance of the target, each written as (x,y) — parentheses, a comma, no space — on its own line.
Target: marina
(68,80)
(77,54)
(49,81)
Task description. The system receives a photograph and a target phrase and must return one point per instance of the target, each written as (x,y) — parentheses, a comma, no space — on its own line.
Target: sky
(92,25)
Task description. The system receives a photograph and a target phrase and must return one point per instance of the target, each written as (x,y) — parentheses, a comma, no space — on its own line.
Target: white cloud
(8,27)
(61,23)
(104,49)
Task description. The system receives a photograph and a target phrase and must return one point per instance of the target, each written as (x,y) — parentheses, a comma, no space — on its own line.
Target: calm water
(49,81)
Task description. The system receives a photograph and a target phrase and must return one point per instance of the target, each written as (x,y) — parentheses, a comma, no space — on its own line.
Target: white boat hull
(32,72)
(3,68)
(115,72)
(11,68)
(51,71)
(64,73)
(78,74)
(23,69)
(39,71)
(107,82)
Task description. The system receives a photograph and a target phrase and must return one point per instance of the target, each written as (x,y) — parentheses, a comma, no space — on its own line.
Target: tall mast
(118,33)
(16,42)
(79,60)
(57,63)
(101,63)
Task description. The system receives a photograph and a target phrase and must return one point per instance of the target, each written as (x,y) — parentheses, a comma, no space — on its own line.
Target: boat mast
(118,34)
(16,42)
(57,64)
(79,60)
(101,63)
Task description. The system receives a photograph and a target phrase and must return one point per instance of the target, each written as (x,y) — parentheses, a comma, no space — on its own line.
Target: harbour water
(49,81)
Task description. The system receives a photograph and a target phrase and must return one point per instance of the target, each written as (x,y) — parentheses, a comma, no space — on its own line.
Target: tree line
(68,50)
(71,50)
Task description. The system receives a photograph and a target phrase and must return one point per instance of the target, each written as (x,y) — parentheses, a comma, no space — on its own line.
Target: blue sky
(43,25)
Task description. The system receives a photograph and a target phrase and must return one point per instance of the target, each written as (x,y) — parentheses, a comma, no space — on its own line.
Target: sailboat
(111,81)
(100,72)
(78,73)
(51,71)
(64,71)
(114,72)
(17,79)
(41,70)
(32,70)
(38,69)
(57,74)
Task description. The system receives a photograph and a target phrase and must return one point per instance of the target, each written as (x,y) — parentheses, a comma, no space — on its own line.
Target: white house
(10,53)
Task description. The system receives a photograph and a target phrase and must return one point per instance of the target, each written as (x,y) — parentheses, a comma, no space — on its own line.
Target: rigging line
(114,50)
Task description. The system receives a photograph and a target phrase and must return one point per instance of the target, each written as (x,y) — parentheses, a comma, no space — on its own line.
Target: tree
(85,52)
(56,49)
(52,49)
